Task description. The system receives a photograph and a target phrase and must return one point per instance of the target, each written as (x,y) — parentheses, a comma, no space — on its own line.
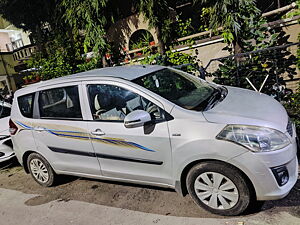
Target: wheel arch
(24,160)
(180,186)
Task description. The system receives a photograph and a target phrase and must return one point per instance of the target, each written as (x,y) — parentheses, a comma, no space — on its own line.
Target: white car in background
(6,150)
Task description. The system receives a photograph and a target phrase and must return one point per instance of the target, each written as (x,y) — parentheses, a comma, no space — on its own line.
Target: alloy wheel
(39,170)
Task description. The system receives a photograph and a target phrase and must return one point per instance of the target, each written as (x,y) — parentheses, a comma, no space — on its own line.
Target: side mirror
(137,118)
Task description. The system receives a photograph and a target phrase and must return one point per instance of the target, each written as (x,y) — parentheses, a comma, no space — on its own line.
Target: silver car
(227,147)
(6,151)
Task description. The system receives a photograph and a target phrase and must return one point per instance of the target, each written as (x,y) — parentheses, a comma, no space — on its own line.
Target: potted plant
(26,81)
(152,43)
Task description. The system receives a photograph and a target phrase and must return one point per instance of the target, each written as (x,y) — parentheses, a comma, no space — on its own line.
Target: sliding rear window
(26,104)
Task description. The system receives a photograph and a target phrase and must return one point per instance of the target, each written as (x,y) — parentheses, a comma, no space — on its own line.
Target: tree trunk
(237,47)
(161,43)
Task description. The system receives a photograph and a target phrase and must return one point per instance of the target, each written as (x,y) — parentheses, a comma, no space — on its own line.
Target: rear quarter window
(26,105)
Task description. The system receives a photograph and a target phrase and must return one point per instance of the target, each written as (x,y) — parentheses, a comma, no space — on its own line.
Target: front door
(141,153)
(61,134)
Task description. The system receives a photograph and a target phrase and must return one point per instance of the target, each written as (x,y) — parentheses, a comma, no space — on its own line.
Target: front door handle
(98,132)
(39,129)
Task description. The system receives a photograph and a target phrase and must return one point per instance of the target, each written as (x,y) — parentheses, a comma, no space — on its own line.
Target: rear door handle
(98,132)
(39,129)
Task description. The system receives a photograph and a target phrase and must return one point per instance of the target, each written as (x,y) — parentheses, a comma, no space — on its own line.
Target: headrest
(96,103)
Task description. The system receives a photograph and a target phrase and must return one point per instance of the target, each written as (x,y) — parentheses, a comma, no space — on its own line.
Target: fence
(272,70)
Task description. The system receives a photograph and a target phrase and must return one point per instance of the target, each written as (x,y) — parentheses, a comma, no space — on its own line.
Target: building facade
(15,48)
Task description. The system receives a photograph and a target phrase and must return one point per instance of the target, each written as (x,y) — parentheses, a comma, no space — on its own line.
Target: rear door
(61,132)
(141,153)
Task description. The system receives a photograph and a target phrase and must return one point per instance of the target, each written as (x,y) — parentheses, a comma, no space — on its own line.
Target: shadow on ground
(127,196)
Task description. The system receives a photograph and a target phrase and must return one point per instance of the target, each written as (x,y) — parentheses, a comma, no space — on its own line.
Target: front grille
(289,128)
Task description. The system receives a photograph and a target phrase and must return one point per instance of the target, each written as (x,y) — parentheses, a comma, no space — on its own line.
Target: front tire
(218,188)
(40,170)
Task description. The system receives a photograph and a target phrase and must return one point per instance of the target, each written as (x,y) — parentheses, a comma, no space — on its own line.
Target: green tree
(88,18)
(234,16)
(34,16)
(159,15)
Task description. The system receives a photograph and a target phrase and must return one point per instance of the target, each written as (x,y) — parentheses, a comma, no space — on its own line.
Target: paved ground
(78,201)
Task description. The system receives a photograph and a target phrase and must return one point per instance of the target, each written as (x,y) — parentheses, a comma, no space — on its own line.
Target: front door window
(113,103)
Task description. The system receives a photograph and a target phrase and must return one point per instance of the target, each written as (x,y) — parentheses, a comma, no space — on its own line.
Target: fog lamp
(281,174)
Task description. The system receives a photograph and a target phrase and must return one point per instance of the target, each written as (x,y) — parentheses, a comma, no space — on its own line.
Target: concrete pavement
(14,211)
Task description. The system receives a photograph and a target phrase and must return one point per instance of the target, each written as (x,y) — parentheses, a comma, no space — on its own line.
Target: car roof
(129,72)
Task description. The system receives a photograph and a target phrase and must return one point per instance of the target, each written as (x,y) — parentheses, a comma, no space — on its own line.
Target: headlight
(257,139)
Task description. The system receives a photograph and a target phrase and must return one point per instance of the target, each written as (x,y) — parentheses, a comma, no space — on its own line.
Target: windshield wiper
(218,96)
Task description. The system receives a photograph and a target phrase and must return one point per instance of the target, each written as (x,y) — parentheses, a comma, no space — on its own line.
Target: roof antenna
(144,66)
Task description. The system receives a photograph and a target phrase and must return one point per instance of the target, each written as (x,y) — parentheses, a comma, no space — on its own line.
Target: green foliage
(184,28)
(171,59)
(158,14)
(256,66)
(28,14)
(55,62)
(87,16)
(204,19)
(298,53)
(294,12)
(233,16)
(293,108)
(142,40)
(89,64)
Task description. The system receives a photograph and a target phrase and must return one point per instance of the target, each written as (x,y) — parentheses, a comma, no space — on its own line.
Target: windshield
(178,87)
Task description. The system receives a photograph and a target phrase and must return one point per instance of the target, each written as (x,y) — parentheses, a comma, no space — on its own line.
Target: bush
(293,109)
(172,59)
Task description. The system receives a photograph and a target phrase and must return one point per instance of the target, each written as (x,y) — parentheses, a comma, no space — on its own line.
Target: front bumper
(258,168)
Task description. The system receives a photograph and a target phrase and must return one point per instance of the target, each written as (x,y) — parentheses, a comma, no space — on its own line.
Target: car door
(141,153)
(61,133)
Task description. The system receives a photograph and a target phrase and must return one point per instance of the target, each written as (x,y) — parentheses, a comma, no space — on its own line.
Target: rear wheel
(218,188)
(40,170)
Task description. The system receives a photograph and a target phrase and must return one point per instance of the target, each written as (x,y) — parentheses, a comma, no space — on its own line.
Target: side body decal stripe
(105,156)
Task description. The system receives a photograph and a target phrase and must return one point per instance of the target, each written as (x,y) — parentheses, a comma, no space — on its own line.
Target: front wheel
(218,188)
(40,170)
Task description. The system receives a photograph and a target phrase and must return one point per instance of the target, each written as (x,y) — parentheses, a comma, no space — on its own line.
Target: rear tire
(218,188)
(40,170)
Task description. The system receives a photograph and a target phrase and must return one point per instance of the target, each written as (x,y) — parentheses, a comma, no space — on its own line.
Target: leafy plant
(172,59)
(233,16)
(294,12)
(293,108)
(257,66)
(56,62)
(184,28)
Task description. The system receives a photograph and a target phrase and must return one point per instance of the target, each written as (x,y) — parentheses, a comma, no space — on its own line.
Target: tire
(40,170)
(219,188)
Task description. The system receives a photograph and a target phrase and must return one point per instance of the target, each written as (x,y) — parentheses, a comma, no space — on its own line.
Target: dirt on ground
(127,196)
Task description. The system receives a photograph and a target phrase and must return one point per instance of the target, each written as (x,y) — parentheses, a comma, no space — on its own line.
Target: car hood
(242,106)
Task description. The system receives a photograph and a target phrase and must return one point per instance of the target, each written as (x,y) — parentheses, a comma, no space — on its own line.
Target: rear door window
(60,103)
(26,104)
